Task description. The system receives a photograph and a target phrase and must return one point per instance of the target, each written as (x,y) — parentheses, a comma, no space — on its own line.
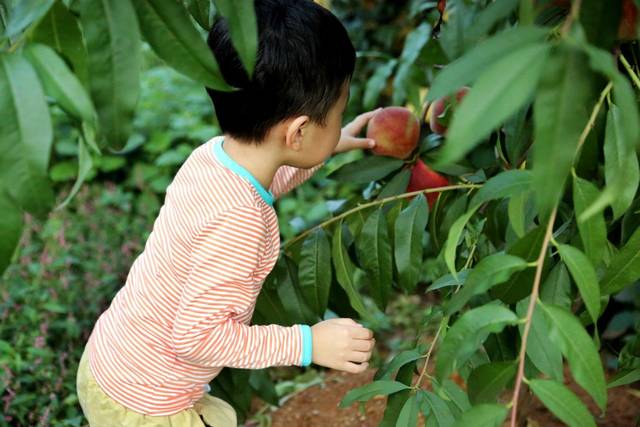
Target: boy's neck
(262,161)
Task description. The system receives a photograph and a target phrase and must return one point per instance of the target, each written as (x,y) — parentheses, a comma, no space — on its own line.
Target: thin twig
(527,326)
(632,74)
(443,323)
(374,203)
(573,14)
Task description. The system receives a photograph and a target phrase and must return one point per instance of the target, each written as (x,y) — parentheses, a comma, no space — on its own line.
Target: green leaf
(448,280)
(243,28)
(376,83)
(556,289)
(409,229)
(84,167)
(453,238)
(624,269)
(505,86)
(366,392)
(516,211)
(483,415)
(503,185)
(26,135)
(396,401)
(409,413)
(289,290)
(345,271)
(414,43)
(625,377)
(468,333)
(24,14)
(261,383)
(404,357)
(487,18)
(488,380)
(168,29)
(396,185)
(576,345)
(561,111)
(585,277)
(114,48)
(374,252)
(593,231)
(466,69)
(367,169)
(10,229)
(436,409)
(490,271)
(60,83)
(562,402)
(543,353)
(315,270)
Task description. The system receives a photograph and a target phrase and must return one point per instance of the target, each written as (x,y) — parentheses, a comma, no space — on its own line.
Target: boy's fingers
(352,143)
(346,321)
(360,121)
(361,333)
(355,368)
(363,345)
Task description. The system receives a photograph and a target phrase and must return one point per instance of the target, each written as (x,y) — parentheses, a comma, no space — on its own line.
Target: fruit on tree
(396,131)
(440,111)
(628,29)
(423,177)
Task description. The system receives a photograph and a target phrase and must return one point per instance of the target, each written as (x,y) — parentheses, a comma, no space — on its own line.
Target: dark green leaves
(10,229)
(241,19)
(593,231)
(374,253)
(409,228)
(468,333)
(483,415)
(562,402)
(169,31)
(315,271)
(505,184)
(576,345)
(624,268)
(400,360)
(585,277)
(409,412)
(488,380)
(345,271)
(561,110)
(367,169)
(366,392)
(114,47)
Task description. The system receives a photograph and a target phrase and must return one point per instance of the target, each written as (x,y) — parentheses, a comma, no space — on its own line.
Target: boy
(185,309)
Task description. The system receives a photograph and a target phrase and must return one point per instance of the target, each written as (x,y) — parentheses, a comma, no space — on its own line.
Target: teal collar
(231,164)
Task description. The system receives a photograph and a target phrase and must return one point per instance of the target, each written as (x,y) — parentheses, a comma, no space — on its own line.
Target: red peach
(423,177)
(628,28)
(439,114)
(396,131)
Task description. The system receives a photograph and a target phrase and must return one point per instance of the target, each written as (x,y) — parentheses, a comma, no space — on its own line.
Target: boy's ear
(295,132)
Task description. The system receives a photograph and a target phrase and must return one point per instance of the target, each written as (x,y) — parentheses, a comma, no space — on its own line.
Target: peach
(439,114)
(628,28)
(423,177)
(396,131)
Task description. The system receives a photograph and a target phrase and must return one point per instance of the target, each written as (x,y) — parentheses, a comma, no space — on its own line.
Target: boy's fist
(342,344)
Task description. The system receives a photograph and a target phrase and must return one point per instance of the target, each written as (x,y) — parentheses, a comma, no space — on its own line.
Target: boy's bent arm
(222,284)
(288,177)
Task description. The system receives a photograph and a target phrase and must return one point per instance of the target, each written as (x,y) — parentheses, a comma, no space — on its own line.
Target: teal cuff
(307,345)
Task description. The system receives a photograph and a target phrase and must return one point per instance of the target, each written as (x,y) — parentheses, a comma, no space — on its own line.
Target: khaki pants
(102,411)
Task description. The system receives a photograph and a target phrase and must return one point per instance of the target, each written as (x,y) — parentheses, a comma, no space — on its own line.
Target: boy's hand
(342,344)
(348,138)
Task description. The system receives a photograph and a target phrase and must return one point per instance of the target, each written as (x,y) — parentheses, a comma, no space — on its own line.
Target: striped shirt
(184,311)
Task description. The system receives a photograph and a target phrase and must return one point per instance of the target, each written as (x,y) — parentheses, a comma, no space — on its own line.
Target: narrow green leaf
(625,377)
(488,380)
(409,229)
(396,401)
(556,289)
(114,48)
(24,14)
(448,280)
(562,402)
(396,363)
(453,238)
(10,229)
(396,185)
(84,167)
(241,19)
(414,43)
(376,83)
(624,269)
(516,211)
(560,113)
(506,86)
(60,83)
(593,231)
(374,253)
(487,19)
(543,353)
(468,333)
(466,69)
(490,271)
(409,413)
(26,135)
(503,185)
(367,169)
(483,415)
(436,409)
(168,29)
(585,277)
(345,271)
(367,391)
(315,271)
(576,345)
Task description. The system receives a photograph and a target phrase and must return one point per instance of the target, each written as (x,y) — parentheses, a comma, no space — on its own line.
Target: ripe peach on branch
(396,131)
(422,178)
(440,111)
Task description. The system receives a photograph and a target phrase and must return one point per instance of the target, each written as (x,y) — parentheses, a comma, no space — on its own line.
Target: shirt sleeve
(288,177)
(222,283)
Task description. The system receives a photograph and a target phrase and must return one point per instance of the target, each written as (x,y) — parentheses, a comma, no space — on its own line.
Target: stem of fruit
(527,326)
(632,74)
(423,372)
(374,203)
(573,14)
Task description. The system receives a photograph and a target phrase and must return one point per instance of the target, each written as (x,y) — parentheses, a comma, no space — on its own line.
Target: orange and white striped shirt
(184,311)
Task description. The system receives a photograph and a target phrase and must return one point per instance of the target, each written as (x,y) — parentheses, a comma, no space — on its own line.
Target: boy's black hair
(304,59)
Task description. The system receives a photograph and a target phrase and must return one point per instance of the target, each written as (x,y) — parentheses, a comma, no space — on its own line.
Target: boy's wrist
(306,351)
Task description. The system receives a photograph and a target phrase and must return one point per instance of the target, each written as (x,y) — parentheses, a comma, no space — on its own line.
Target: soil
(317,406)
